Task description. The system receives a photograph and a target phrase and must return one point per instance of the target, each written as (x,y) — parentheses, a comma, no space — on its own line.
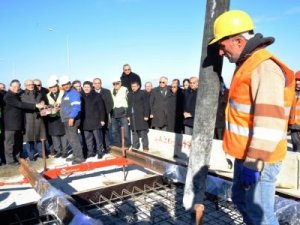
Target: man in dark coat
(2,93)
(159,104)
(93,116)
(14,121)
(34,124)
(190,98)
(109,105)
(129,77)
(148,91)
(220,118)
(138,113)
(175,109)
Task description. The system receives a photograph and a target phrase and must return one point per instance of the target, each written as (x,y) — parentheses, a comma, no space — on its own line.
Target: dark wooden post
(206,109)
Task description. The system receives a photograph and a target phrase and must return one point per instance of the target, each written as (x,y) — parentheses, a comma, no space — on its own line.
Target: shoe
(77,161)
(58,155)
(91,155)
(100,155)
(146,149)
(64,155)
(13,164)
(70,159)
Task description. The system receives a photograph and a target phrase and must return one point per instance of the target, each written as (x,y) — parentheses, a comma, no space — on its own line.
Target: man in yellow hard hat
(260,97)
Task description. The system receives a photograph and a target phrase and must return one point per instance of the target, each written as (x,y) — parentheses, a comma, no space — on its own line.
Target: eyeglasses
(29,84)
(161,82)
(127,69)
(174,87)
(38,85)
(116,83)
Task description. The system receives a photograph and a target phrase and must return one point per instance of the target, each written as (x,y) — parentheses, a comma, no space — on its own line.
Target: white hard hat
(64,80)
(54,77)
(116,79)
(51,82)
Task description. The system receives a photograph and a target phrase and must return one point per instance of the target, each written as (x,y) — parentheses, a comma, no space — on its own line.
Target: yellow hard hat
(230,23)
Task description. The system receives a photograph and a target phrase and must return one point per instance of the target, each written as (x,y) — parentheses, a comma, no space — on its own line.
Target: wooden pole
(44,154)
(123,149)
(205,114)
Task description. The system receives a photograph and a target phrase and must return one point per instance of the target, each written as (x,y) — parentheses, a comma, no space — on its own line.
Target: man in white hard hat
(260,97)
(70,115)
(56,127)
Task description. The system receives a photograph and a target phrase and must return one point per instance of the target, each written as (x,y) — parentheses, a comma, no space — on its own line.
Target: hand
(187,115)
(151,116)
(102,123)
(71,122)
(39,106)
(249,176)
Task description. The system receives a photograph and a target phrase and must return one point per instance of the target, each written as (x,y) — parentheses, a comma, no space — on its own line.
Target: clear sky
(94,38)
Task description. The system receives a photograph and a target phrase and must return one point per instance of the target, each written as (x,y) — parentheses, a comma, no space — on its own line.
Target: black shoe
(100,155)
(58,155)
(91,155)
(77,161)
(64,155)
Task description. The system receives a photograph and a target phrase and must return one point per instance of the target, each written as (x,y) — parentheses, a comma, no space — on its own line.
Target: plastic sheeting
(55,202)
(287,211)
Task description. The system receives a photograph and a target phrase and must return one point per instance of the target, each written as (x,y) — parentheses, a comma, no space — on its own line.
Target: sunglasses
(127,69)
(116,83)
(161,82)
(38,85)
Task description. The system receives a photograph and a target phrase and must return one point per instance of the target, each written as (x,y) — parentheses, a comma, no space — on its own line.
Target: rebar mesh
(34,219)
(157,204)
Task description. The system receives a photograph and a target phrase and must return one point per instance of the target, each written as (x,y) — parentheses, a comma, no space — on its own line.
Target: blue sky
(94,38)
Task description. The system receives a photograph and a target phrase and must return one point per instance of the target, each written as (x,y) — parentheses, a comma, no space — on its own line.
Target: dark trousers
(93,137)
(73,139)
(2,154)
(295,136)
(116,125)
(60,143)
(136,135)
(32,148)
(106,136)
(188,130)
(13,145)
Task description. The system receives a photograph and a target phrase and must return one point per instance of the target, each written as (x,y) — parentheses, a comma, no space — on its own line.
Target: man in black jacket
(190,98)
(93,115)
(138,113)
(128,77)
(2,93)
(109,104)
(14,121)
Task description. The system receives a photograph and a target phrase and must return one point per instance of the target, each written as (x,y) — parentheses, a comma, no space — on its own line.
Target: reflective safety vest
(295,113)
(52,102)
(240,108)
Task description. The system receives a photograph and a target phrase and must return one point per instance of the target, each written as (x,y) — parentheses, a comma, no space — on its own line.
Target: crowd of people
(261,107)
(86,118)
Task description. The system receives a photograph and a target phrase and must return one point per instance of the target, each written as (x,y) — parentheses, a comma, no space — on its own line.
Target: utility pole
(68,56)
(205,113)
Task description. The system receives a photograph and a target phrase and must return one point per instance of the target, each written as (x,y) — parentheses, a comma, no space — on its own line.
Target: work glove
(249,176)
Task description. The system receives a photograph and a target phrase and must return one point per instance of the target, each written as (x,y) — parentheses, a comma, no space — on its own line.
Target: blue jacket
(70,105)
